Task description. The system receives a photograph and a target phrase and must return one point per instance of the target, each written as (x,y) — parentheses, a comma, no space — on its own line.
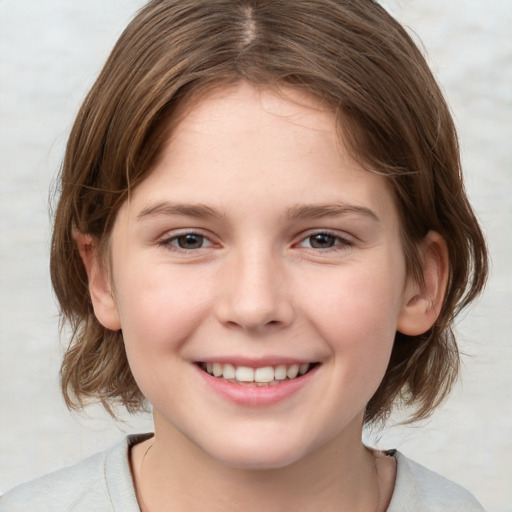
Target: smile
(262,376)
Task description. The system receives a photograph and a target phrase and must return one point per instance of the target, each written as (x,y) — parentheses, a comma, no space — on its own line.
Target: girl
(262,235)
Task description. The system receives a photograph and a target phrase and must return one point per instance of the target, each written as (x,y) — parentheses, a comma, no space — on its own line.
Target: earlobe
(423,301)
(102,297)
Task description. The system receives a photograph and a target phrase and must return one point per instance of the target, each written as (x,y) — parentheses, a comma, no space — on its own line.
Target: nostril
(268,305)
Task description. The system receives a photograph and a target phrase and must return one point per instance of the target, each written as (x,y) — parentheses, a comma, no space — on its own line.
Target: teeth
(244,374)
(280,372)
(292,371)
(229,371)
(303,368)
(217,369)
(264,376)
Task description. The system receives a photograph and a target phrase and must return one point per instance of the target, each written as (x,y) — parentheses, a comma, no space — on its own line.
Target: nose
(253,294)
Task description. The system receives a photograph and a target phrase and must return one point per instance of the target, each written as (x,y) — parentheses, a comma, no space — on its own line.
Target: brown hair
(349,53)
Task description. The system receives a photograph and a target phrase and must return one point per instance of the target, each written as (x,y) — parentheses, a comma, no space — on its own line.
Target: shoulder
(100,482)
(66,489)
(74,488)
(419,489)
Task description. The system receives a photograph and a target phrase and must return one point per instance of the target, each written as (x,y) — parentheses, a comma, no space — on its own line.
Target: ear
(422,304)
(100,289)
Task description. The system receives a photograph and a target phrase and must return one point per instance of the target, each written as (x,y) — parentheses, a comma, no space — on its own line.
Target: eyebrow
(300,211)
(167,208)
(329,210)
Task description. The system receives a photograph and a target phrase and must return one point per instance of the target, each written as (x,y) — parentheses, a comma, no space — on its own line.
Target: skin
(294,253)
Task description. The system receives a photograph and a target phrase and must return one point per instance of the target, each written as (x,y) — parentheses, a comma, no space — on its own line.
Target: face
(258,278)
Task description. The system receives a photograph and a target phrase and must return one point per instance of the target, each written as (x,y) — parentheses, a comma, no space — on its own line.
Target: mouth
(261,376)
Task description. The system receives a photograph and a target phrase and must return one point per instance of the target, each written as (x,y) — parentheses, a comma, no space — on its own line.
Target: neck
(339,476)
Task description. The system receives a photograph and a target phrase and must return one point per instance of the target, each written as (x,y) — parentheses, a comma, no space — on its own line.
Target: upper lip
(258,362)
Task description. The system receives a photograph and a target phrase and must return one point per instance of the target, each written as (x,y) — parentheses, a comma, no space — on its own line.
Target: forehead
(280,100)
(246,144)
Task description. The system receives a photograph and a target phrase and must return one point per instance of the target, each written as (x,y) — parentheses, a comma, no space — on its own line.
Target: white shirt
(103,483)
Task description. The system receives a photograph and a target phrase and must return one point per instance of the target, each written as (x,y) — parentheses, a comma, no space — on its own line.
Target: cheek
(159,311)
(358,301)
(159,308)
(356,314)
(358,323)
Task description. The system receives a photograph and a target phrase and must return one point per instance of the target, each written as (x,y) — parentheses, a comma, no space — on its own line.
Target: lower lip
(253,395)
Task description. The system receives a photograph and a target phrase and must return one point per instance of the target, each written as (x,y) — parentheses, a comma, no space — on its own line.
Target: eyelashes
(325,240)
(190,241)
(316,241)
(187,242)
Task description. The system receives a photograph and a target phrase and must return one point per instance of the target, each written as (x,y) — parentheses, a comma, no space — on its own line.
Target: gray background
(51,52)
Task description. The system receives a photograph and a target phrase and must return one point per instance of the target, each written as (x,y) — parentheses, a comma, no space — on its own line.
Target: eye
(325,240)
(187,242)
(190,241)
(322,241)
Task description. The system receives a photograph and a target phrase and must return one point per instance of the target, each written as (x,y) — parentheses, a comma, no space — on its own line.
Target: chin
(258,461)
(257,456)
